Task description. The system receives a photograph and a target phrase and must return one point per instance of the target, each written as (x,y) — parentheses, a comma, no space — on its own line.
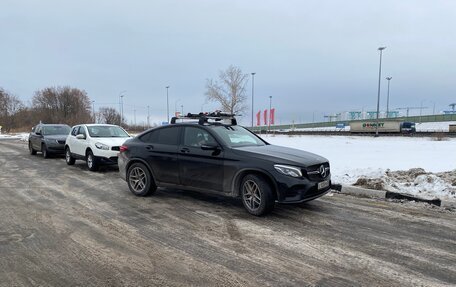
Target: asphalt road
(66,226)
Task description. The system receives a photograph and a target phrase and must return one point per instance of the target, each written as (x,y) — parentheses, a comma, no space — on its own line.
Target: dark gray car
(48,139)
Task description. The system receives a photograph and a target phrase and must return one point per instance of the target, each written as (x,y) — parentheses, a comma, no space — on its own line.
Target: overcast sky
(312,57)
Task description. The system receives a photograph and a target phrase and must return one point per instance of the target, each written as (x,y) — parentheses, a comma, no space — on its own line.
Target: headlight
(102,146)
(288,170)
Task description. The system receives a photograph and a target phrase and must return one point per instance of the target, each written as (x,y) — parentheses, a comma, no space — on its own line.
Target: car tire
(44,151)
(257,195)
(68,158)
(140,181)
(92,162)
(31,149)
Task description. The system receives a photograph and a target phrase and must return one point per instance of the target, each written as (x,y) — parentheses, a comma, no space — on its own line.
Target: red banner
(271,116)
(258,118)
(265,117)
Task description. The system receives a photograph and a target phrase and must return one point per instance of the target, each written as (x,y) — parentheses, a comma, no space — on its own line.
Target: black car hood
(281,155)
(56,137)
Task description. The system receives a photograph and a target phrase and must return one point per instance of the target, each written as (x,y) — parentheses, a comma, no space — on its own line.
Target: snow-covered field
(355,157)
(375,161)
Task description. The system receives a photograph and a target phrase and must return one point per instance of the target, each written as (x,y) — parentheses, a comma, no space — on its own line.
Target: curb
(372,193)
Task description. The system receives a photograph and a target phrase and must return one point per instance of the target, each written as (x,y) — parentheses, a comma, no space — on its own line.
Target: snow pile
(355,157)
(415,181)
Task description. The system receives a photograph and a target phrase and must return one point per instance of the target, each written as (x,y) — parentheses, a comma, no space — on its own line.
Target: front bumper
(55,148)
(295,190)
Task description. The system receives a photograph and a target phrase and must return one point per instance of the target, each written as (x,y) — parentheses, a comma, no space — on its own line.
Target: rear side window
(166,136)
(74,132)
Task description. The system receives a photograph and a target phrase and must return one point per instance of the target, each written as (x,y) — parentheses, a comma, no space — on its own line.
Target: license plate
(323,184)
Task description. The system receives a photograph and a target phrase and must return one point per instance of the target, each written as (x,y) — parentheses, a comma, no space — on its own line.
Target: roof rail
(204,117)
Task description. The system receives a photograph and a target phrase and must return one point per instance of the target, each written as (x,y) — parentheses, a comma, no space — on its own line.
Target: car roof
(98,125)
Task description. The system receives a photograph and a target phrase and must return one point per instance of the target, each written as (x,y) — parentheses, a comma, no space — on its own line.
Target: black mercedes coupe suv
(213,155)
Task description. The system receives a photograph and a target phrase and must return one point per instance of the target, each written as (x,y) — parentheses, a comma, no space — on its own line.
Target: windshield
(107,132)
(55,130)
(236,136)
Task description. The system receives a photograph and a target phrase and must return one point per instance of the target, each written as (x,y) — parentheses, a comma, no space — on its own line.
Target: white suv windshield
(236,136)
(106,132)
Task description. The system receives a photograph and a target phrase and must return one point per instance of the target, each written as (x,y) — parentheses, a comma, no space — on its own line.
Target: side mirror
(209,147)
(80,137)
(38,133)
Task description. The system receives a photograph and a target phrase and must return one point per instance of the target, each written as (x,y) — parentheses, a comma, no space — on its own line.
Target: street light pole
(121,106)
(93,111)
(269,122)
(148,116)
(167,104)
(253,87)
(388,97)
(378,95)
(182,107)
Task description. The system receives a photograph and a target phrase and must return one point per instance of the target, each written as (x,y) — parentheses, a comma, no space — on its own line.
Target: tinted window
(168,136)
(197,137)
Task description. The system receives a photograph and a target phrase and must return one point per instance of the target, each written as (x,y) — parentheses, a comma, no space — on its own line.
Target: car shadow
(226,202)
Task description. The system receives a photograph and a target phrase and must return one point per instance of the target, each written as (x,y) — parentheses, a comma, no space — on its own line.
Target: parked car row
(203,152)
(94,143)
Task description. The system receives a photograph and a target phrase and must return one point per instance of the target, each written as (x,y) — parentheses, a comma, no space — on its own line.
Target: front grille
(61,142)
(313,172)
(117,148)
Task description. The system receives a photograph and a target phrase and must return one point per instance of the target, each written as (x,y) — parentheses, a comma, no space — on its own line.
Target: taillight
(123,148)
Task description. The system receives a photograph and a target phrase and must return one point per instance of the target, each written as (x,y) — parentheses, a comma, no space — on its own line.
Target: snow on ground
(355,157)
(20,136)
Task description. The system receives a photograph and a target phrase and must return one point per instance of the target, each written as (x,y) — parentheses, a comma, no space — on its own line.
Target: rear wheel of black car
(140,181)
(44,151)
(31,149)
(92,162)
(257,195)
(68,158)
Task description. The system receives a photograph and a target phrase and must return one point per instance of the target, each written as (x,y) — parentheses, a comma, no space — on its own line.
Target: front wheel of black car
(140,181)
(257,195)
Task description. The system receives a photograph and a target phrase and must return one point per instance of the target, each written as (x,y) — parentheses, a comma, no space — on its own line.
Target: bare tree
(108,115)
(10,106)
(62,105)
(229,91)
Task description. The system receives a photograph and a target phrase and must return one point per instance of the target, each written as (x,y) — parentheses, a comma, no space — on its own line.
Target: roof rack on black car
(203,118)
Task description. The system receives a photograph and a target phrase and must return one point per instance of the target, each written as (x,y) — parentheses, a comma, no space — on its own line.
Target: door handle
(185,150)
(149,147)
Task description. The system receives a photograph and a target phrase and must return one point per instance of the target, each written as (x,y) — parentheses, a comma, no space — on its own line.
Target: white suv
(95,143)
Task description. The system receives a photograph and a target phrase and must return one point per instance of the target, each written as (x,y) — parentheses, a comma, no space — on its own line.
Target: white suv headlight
(102,146)
(288,170)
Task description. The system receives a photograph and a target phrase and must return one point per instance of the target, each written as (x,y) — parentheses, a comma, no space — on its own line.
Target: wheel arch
(139,160)
(87,151)
(236,184)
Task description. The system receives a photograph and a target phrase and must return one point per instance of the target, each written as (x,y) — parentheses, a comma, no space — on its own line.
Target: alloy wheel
(251,194)
(137,179)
